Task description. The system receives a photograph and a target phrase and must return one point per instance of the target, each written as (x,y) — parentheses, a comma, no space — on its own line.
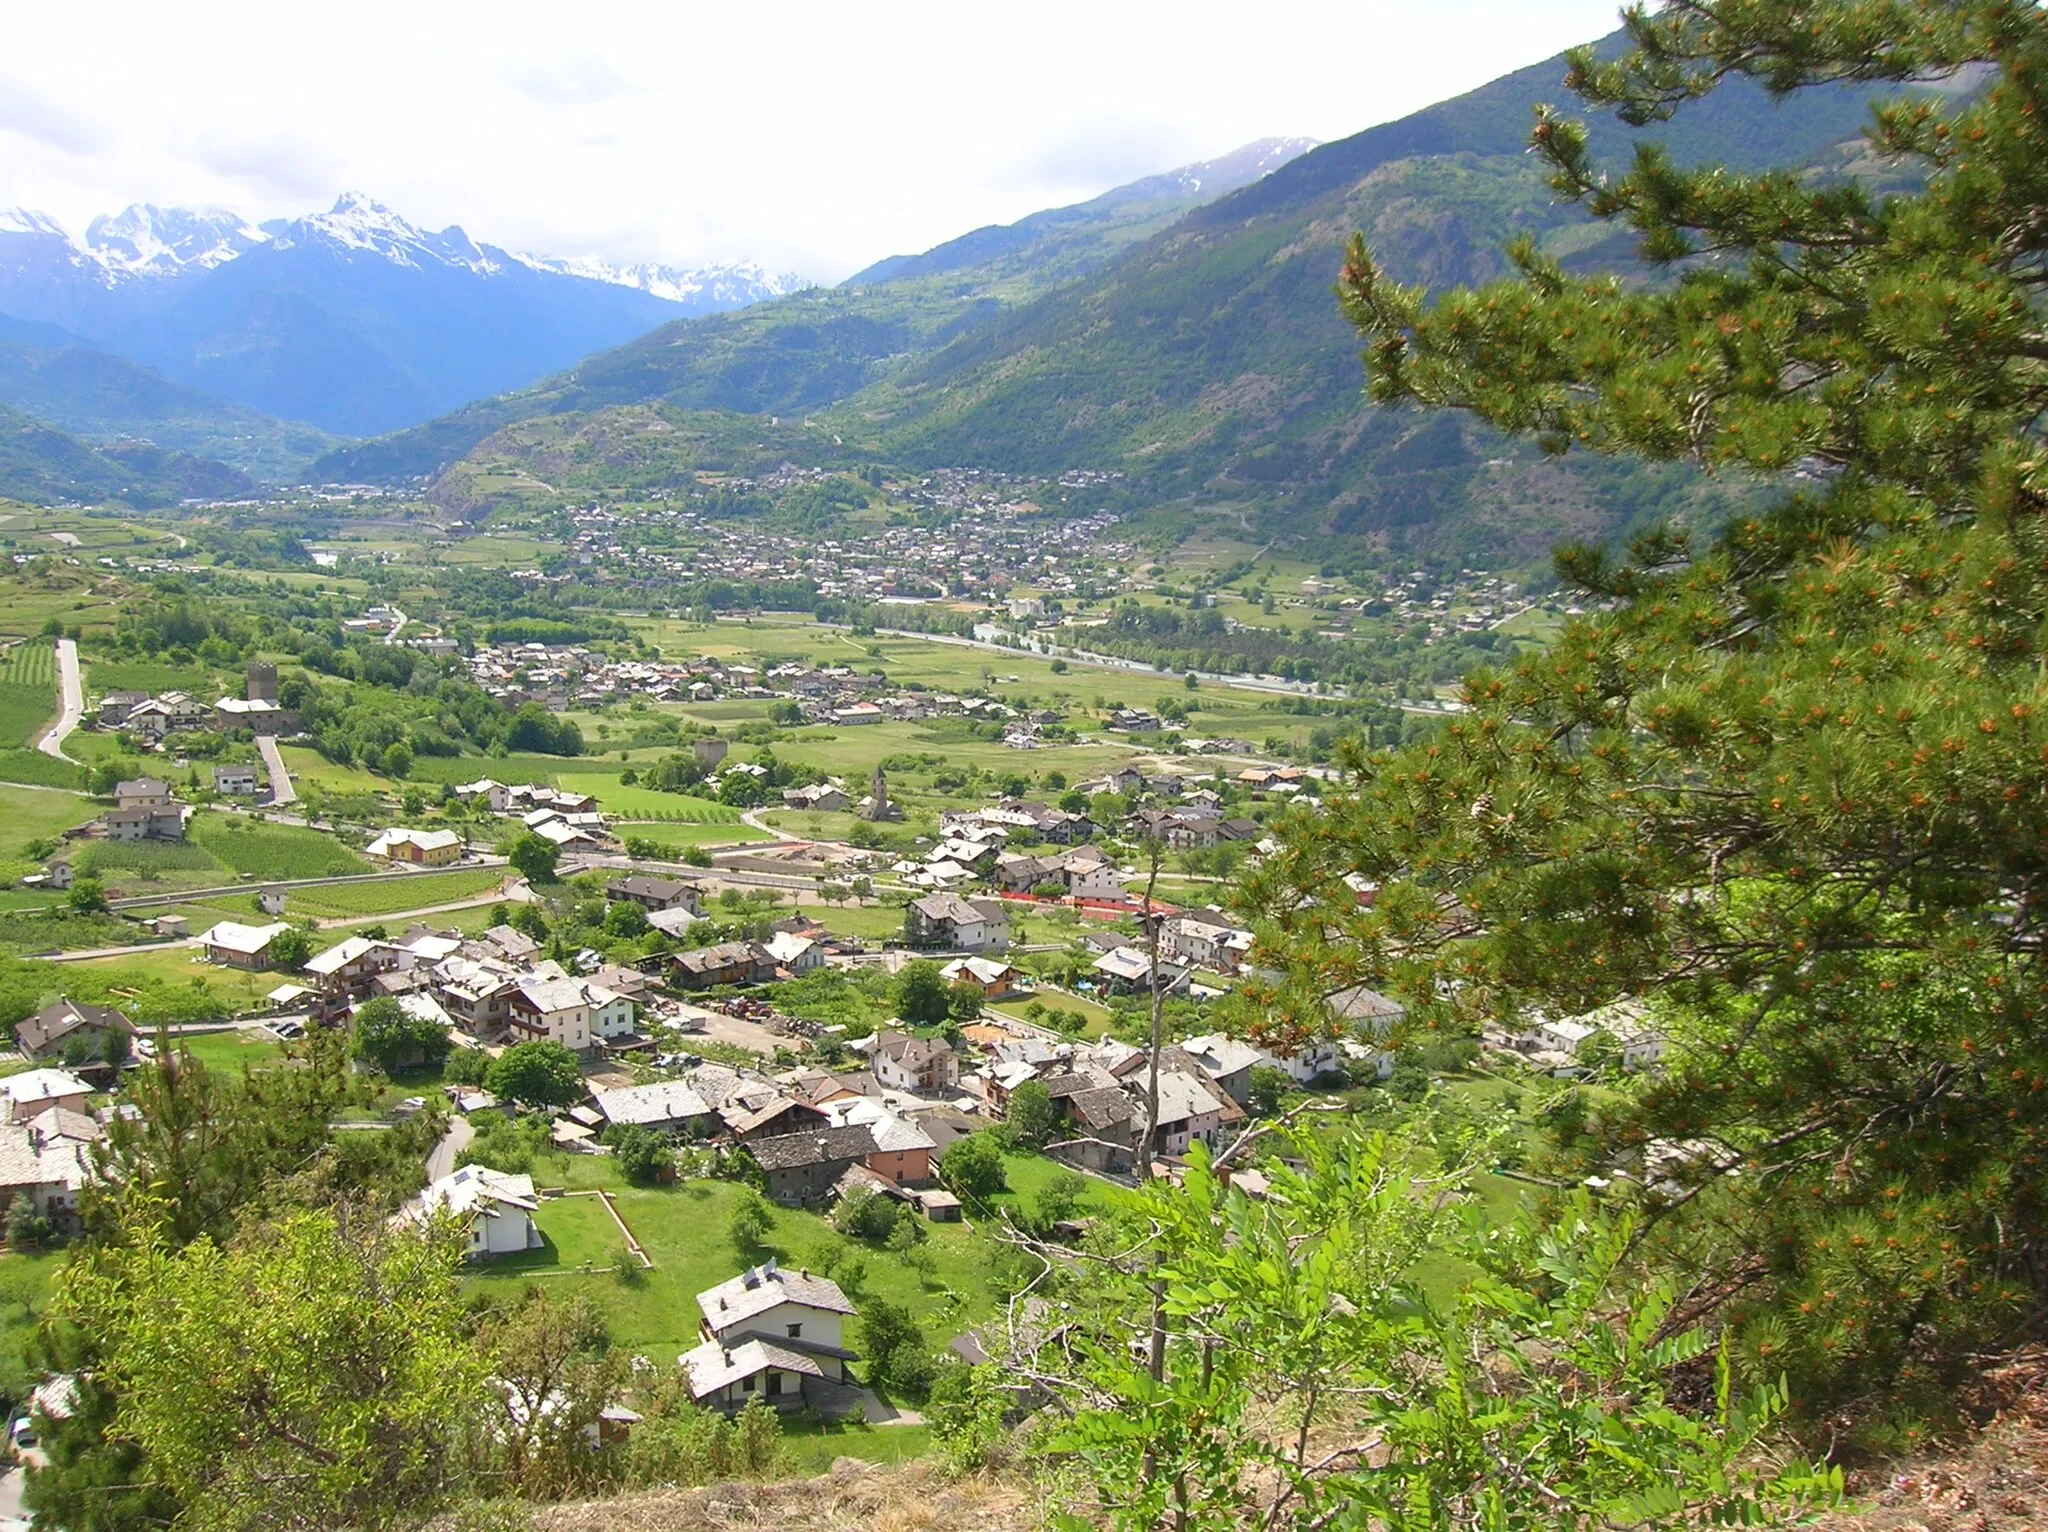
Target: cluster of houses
(148,719)
(46,1129)
(570,819)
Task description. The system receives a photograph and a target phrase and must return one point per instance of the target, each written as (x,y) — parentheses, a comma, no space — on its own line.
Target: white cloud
(805,136)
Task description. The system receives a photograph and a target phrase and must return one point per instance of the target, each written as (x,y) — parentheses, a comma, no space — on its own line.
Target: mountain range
(353,321)
(1183,335)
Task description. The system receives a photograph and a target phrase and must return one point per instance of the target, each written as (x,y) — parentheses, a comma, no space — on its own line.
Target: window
(774,1383)
(747,1385)
(795,1331)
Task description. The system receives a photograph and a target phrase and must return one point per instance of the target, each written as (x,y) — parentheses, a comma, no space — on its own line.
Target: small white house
(798,954)
(495,1208)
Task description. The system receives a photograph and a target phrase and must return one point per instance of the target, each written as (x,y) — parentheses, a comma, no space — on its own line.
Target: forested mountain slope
(83,389)
(1208,362)
(41,465)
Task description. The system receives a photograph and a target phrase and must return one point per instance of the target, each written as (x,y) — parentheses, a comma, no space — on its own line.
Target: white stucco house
(495,1209)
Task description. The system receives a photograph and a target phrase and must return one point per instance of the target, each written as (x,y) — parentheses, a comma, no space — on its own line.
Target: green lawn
(809,1448)
(308,767)
(230,1050)
(35,814)
(1027,1174)
(636,801)
(683,1229)
(25,1282)
(872,922)
(1058,1000)
(235,992)
(390,896)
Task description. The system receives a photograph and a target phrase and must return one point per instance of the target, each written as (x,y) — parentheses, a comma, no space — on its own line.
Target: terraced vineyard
(28,691)
(272,851)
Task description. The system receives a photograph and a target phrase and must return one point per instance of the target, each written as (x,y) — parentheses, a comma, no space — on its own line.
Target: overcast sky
(809,137)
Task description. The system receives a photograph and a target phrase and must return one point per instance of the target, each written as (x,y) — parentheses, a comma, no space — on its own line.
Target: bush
(894,1348)
(973,1167)
(1032,1117)
(536,1074)
(643,1156)
(684,1445)
(751,1221)
(385,1035)
(465,1066)
(867,1214)
(509,1144)
(921,996)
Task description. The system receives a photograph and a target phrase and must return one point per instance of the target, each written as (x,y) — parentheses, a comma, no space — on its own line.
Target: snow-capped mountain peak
(1242,166)
(148,241)
(722,284)
(359,222)
(21,220)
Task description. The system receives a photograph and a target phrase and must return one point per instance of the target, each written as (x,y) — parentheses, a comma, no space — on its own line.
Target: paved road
(281,789)
(12,1516)
(72,690)
(441,1158)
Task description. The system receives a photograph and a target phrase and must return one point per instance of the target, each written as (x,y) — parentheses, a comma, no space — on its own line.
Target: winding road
(71,694)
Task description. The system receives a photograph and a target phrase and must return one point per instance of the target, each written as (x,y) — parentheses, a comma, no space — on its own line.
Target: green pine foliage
(1789,782)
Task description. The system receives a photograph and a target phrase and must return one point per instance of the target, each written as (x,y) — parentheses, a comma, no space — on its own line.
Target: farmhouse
(727,963)
(420,848)
(904,1062)
(803,1168)
(656,893)
(769,1334)
(30,1095)
(67,1029)
(142,793)
(553,1010)
(667,1106)
(238,946)
(160,822)
(961,925)
(236,781)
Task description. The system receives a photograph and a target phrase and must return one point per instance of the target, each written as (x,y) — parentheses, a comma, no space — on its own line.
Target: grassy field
(679,835)
(644,802)
(684,1230)
(25,1281)
(392,895)
(201,681)
(37,815)
(872,922)
(1058,1000)
(308,767)
(244,845)
(235,991)
(231,1050)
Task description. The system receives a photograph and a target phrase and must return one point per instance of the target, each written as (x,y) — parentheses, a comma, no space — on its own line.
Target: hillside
(803,352)
(91,393)
(42,466)
(1213,363)
(1207,361)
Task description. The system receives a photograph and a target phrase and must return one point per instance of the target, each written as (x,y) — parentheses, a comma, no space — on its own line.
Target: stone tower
(878,794)
(262,682)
